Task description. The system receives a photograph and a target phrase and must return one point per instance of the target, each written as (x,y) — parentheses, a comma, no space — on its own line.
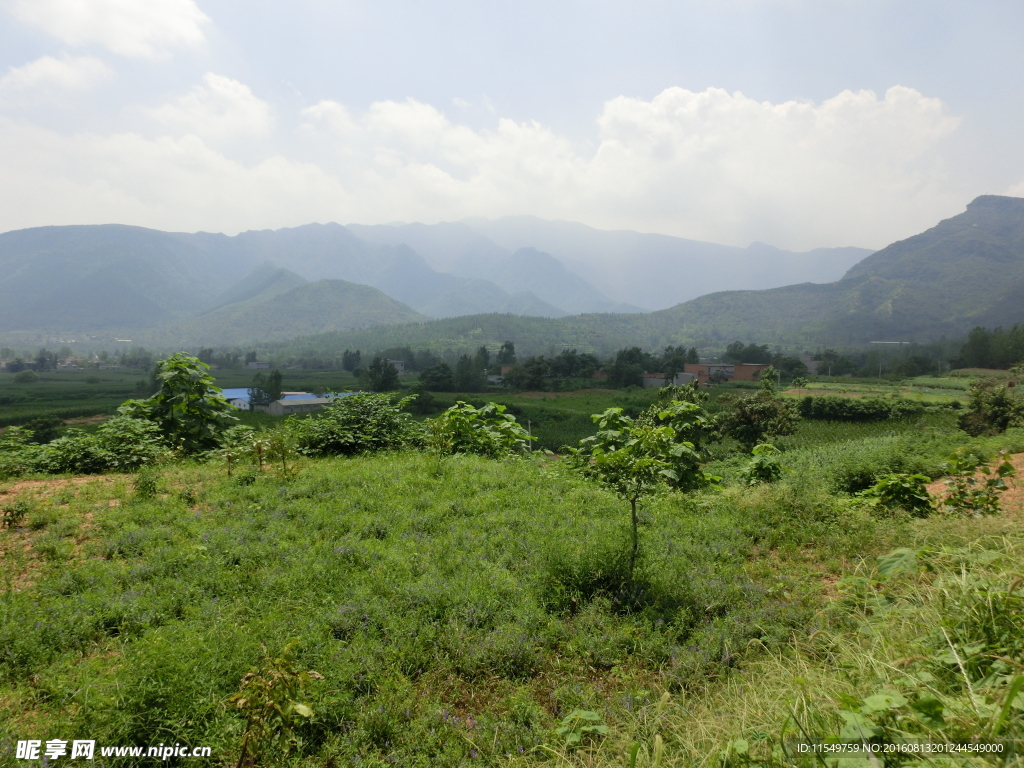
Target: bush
(834,408)
(486,431)
(27,376)
(992,409)
(122,444)
(356,424)
(764,467)
(188,408)
(761,416)
(904,491)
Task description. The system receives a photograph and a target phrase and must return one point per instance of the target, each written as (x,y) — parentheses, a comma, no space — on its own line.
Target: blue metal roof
(242,393)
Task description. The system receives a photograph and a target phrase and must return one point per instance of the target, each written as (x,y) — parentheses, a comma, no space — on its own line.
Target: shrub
(121,444)
(486,431)
(631,457)
(901,490)
(356,424)
(762,416)
(834,408)
(970,494)
(992,408)
(764,467)
(188,408)
(27,376)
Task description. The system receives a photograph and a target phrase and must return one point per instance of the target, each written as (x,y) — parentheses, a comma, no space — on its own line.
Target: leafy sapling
(764,467)
(900,490)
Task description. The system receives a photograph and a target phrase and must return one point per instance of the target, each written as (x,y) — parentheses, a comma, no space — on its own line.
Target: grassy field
(466,611)
(67,394)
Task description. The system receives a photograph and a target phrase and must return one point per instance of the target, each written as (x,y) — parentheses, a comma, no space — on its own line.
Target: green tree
(507,354)
(631,458)
(350,360)
(188,408)
(265,389)
(382,376)
(628,368)
(754,420)
(664,445)
(468,377)
(438,378)
(993,408)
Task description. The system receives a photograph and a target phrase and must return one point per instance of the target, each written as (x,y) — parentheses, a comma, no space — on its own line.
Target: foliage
(904,491)
(628,368)
(580,725)
(267,699)
(120,444)
(381,375)
(188,408)
(438,378)
(44,429)
(28,376)
(835,408)
(265,389)
(146,484)
(992,348)
(993,408)
(506,354)
(755,419)
(354,424)
(966,493)
(737,352)
(13,515)
(486,431)
(764,467)
(632,457)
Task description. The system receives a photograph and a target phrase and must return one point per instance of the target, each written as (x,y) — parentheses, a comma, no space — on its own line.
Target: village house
(710,373)
(652,380)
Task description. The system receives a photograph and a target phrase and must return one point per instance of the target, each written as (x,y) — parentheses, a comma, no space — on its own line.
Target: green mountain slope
(314,308)
(967,270)
(264,282)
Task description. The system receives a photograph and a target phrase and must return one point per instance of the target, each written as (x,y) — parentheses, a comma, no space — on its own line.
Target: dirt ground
(1012,500)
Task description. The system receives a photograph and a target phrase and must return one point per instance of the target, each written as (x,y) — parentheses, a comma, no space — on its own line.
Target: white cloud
(855,169)
(73,72)
(708,165)
(1017,190)
(220,108)
(167,183)
(133,28)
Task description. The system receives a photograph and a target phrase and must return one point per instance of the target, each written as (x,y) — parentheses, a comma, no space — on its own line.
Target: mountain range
(167,287)
(538,283)
(966,271)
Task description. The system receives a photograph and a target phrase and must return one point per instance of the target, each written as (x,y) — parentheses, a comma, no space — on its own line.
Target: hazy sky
(801,124)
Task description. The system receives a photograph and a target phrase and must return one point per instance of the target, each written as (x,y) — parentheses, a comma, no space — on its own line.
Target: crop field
(412,608)
(67,394)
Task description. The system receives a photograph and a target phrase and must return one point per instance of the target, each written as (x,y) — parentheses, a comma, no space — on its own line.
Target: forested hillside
(964,272)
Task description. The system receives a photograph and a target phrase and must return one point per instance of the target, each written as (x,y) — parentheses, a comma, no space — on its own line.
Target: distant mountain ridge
(130,281)
(967,270)
(310,308)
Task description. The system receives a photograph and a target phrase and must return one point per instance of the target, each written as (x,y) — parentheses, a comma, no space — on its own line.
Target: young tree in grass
(188,408)
(632,457)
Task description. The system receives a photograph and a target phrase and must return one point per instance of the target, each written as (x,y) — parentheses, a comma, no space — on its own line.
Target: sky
(799,124)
